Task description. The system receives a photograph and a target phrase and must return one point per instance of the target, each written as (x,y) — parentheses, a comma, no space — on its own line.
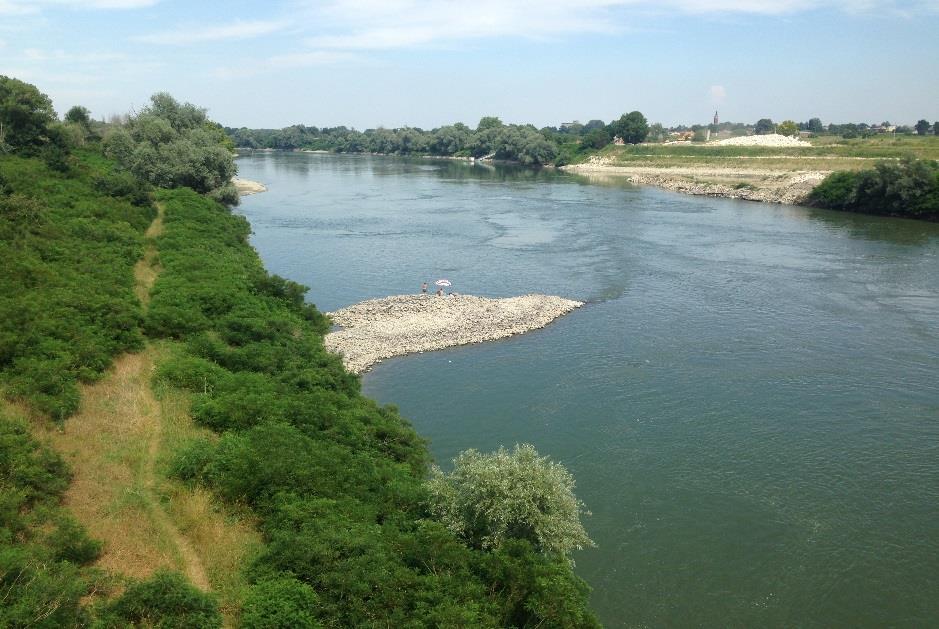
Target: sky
(422,63)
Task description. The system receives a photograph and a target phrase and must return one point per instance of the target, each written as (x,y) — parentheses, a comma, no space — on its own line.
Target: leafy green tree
(935,128)
(922,127)
(764,126)
(815,125)
(597,138)
(632,127)
(488,122)
(79,115)
(25,113)
(787,127)
(656,133)
(489,499)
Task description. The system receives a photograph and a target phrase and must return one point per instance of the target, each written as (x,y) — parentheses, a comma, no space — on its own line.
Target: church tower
(715,118)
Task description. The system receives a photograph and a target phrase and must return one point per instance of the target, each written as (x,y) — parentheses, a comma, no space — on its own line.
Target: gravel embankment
(767,186)
(405,324)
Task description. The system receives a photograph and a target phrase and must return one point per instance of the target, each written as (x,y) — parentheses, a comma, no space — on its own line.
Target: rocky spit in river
(406,324)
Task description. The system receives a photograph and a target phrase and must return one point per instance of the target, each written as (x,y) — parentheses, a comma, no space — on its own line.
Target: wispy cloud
(239,29)
(390,24)
(289,61)
(80,58)
(23,7)
(718,94)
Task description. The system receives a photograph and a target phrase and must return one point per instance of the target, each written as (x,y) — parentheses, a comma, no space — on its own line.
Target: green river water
(749,401)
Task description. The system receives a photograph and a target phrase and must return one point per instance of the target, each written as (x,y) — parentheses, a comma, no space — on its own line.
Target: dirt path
(112,446)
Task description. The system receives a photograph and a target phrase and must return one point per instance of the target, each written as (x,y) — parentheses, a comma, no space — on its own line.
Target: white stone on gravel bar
(405,324)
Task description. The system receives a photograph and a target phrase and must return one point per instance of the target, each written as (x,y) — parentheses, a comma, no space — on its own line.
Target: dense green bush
(336,481)
(490,499)
(67,304)
(164,601)
(280,603)
(43,551)
(906,188)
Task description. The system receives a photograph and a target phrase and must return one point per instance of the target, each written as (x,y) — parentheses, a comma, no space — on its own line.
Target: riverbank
(406,324)
(246,186)
(751,184)
(770,169)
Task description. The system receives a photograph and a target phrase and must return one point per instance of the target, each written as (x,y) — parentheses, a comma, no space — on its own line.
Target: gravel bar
(406,324)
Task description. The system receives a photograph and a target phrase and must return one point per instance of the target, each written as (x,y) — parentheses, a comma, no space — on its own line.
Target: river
(749,401)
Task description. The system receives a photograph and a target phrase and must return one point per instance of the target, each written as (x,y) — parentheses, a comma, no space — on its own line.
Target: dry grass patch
(107,447)
(224,539)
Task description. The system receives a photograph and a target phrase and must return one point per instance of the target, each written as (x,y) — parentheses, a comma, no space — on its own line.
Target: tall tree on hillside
(632,127)
(764,126)
(25,113)
(922,127)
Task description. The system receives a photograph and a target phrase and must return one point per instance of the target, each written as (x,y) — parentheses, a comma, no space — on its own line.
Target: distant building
(716,119)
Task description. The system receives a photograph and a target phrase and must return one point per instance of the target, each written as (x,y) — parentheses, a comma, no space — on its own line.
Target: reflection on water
(749,402)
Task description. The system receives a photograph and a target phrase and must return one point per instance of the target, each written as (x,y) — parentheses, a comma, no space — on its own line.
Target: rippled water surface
(749,402)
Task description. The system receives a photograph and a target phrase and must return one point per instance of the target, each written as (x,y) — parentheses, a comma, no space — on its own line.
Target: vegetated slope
(44,553)
(68,242)
(336,480)
(70,238)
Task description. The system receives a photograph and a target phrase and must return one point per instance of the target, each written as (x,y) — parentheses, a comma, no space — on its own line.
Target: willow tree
(489,499)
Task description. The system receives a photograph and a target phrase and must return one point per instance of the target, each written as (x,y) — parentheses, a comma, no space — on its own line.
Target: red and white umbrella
(442,283)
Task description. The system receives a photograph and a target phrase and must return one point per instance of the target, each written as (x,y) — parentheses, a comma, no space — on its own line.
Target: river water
(749,401)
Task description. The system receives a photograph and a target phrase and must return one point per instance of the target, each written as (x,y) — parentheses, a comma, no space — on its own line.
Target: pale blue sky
(367,63)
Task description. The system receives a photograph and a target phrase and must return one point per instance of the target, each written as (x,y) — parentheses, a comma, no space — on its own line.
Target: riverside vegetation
(354,529)
(767,173)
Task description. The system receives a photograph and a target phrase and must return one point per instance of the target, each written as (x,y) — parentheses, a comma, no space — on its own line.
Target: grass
(825,153)
(118,446)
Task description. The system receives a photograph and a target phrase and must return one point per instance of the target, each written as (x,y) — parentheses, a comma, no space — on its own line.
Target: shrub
(280,603)
(491,498)
(164,601)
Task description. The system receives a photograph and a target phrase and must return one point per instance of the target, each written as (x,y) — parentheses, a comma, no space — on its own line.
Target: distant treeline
(908,188)
(490,139)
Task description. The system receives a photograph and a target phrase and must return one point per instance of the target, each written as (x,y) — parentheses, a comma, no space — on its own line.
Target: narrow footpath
(113,446)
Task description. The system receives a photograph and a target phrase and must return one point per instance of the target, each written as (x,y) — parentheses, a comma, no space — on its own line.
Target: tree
(597,138)
(489,499)
(815,125)
(787,127)
(632,127)
(488,122)
(78,115)
(764,126)
(922,127)
(935,128)
(656,133)
(25,113)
